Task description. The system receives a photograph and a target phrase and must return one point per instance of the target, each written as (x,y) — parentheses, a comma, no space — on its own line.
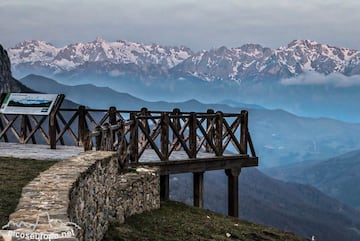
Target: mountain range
(136,60)
(280,137)
(293,207)
(305,77)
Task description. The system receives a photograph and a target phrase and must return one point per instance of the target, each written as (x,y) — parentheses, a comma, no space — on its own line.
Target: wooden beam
(198,189)
(233,191)
(201,165)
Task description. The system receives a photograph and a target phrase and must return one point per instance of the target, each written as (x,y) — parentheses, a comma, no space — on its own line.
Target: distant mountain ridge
(336,176)
(114,58)
(123,58)
(279,137)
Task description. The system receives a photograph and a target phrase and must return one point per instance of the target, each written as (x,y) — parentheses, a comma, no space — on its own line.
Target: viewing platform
(174,141)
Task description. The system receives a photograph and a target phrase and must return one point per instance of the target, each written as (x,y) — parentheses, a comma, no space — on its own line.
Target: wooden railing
(132,132)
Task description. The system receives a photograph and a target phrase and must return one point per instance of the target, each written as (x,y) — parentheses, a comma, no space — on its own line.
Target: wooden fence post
(219,133)
(98,138)
(23,129)
(177,125)
(243,132)
(192,135)
(112,121)
(144,112)
(164,136)
(210,129)
(53,121)
(134,138)
(83,128)
(123,155)
(164,140)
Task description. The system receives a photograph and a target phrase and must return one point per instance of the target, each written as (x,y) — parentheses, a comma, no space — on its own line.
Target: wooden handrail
(163,132)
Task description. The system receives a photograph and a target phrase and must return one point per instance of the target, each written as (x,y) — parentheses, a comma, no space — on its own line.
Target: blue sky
(198,24)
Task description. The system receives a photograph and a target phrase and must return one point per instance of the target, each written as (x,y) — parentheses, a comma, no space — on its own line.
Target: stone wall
(77,198)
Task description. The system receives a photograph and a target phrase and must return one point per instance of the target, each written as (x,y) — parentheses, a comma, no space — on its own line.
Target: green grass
(172,222)
(177,222)
(14,175)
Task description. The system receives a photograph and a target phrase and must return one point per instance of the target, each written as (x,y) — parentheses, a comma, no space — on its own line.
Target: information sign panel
(28,103)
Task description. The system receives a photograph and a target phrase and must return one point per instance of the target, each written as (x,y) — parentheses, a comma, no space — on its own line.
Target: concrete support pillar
(233,191)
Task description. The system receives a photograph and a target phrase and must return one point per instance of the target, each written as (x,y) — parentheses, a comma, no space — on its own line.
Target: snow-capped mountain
(254,62)
(122,58)
(116,58)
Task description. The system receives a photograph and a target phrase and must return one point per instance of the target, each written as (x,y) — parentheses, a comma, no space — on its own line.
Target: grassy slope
(14,175)
(177,222)
(174,221)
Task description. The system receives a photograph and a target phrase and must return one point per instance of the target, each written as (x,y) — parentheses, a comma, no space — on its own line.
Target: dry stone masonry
(77,198)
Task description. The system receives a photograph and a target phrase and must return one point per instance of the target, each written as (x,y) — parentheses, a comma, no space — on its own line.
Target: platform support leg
(198,189)
(233,191)
(164,187)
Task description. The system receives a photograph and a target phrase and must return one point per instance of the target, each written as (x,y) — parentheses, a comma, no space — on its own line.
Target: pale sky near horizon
(198,24)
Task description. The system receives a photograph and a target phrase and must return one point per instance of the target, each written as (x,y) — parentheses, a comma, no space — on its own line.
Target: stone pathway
(36,151)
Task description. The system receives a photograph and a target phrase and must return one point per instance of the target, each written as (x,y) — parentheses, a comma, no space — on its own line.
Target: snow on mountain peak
(73,55)
(32,51)
(248,62)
